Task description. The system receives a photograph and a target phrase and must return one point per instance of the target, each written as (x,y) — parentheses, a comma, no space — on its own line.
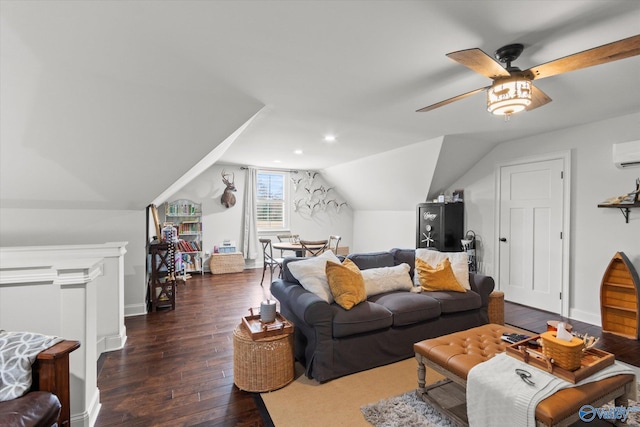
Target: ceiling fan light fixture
(509,96)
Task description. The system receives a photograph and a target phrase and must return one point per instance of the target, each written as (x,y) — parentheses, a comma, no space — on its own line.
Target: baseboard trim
(586,317)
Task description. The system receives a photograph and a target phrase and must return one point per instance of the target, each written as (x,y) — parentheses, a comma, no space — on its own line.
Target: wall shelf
(624,208)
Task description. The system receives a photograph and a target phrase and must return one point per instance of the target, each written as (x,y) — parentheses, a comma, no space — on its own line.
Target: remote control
(513,338)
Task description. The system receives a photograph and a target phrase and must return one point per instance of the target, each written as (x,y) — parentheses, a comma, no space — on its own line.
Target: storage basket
(226,263)
(263,364)
(565,354)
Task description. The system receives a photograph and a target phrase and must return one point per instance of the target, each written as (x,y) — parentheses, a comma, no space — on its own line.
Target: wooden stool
(264,364)
(496,307)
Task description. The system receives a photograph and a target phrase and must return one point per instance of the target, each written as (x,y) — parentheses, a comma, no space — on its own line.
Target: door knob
(503,239)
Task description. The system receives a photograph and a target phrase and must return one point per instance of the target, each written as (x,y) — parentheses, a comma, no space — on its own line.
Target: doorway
(533,231)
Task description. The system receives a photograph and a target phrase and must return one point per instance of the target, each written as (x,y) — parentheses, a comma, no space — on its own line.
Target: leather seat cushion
(568,401)
(408,307)
(364,317)
(454,302)
(34,409)
(461,351)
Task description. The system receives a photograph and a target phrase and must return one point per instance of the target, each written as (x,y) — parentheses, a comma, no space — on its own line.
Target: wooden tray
(593,360)
(258,330)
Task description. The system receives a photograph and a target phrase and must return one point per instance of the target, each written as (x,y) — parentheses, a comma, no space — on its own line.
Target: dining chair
(334,241)
(313,247)
(269,261)
(291,238)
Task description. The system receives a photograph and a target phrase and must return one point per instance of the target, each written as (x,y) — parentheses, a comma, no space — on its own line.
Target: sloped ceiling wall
(458,154)
(76,136)
(393,180)
(397,180)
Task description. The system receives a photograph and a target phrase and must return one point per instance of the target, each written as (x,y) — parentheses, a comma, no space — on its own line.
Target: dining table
(296,247)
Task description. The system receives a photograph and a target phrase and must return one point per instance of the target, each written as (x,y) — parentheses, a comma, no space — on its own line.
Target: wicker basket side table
(496,307)
(264,364)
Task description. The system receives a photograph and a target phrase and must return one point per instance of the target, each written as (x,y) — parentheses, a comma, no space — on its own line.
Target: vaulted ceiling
(104,104)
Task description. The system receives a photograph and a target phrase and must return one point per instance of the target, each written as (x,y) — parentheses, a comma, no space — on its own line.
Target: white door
(530,233)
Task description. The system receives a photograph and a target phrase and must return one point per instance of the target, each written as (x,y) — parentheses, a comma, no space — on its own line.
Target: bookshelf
(186,215)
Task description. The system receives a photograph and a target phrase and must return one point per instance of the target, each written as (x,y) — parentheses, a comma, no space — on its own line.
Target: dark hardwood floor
(626,350)
(176,368)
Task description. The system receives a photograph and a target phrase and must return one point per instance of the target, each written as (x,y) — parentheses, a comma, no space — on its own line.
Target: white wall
(220,223)
(596,233)
(37,227)
(383,230)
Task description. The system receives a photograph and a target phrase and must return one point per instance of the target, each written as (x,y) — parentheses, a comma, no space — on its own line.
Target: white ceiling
(106,103)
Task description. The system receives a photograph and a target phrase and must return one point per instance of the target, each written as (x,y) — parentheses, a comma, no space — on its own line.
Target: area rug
(405,410)
(305,402)
(409,410)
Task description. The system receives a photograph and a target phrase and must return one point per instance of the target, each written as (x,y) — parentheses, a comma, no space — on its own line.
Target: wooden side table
(496,307)
(264,364)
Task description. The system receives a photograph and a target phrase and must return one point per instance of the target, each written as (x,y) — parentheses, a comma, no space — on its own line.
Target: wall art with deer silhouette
(316,197)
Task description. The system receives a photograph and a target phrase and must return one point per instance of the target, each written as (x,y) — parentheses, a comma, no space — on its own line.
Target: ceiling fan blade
(479,62)
(538,98)
(450,100)
(621,49)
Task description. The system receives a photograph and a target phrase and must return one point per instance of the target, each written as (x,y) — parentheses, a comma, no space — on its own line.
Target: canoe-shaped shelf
(619,298)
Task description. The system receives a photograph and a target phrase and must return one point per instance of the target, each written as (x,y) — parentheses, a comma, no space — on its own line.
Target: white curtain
(250,228)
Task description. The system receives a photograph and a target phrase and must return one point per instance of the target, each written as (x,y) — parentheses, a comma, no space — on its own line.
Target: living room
(96,128)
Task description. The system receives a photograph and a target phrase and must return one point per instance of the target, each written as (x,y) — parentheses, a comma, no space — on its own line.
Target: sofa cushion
(438,278)
(406,256)
(386,279)
(346,283)
(311,274)
(372,260)
(454,302)
(364,317)
(459,264)
(408,307)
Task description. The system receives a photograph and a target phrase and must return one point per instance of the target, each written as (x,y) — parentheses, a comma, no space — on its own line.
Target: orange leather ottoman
(455,354)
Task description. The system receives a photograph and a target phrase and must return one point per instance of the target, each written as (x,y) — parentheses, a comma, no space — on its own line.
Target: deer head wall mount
(228,199)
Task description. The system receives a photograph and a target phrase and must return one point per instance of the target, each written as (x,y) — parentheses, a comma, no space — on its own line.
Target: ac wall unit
(626,154)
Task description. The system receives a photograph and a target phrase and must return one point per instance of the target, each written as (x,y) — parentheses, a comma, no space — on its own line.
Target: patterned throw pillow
(18,351)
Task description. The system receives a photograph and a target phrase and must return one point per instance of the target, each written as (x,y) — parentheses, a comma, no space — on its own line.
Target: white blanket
(497,396)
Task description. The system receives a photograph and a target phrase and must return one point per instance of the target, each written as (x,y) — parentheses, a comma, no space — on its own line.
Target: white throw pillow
(312,275)
(387,279)
(459,264)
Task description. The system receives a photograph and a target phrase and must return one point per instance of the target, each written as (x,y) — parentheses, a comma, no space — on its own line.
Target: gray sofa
(331,341)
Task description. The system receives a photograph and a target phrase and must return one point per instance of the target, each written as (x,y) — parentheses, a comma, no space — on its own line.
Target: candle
(268,311)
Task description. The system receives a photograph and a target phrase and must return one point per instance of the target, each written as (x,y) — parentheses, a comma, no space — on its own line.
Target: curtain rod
(272,170)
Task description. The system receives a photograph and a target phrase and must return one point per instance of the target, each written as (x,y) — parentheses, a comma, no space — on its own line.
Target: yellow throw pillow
(438,278)
(346,283)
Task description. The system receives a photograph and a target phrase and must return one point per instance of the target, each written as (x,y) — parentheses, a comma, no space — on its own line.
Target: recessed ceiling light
(330,138)
(276,161)
(297,152)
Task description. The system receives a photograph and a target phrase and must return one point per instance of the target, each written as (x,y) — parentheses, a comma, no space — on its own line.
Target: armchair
(48,401)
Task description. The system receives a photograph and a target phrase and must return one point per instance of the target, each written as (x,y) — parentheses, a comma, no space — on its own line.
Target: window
(271,196)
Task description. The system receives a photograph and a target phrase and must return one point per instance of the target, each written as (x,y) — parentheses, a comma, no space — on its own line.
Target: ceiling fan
(512,90)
